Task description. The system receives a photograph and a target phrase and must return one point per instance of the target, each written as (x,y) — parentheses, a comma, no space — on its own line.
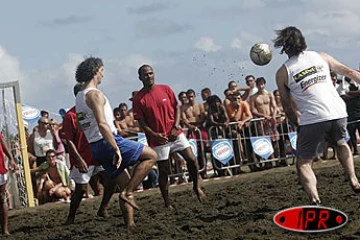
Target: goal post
(21,132)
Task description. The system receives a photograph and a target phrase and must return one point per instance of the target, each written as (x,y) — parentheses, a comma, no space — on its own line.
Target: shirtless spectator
(193,117)
(250,81)
(205,94)
(232,85)
(183,98)
(263,106)
(238,111)
(54,183)
(227,94)
(124,122)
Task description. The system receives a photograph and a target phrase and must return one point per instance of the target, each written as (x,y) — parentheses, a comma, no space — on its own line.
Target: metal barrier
(241,142)
(241,139)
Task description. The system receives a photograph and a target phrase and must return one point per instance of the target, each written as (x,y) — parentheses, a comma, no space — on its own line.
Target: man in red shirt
(83,167)
(3,180)
(156,109)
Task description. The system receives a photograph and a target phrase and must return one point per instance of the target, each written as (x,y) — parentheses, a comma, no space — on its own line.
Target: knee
(150,154)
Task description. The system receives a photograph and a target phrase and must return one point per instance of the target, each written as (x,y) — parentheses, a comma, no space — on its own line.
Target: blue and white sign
(142,139)
(30,114)
(193,145)
(293,139)
(262,146)
(222,150)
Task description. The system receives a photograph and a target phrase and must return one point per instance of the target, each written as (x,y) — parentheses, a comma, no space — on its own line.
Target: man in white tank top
(305,77)
(114,153)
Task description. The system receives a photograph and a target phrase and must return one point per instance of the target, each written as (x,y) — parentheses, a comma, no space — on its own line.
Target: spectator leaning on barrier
(239,112)
(250,82)
(193,117)
(263,106)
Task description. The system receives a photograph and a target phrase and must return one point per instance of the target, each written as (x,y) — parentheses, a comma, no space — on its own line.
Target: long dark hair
(291,41)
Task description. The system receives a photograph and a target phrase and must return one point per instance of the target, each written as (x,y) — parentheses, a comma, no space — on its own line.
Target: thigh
(337,132)
(79,177)
(162,152)
(179,144)
(3,179)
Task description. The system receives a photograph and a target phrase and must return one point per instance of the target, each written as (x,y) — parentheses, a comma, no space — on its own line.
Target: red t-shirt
(72,133)
(157,107)
(2,158)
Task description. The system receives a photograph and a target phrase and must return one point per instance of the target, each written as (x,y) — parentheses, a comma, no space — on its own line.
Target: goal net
(19,188)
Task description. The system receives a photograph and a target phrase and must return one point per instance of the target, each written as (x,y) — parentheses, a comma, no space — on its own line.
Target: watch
(177,127)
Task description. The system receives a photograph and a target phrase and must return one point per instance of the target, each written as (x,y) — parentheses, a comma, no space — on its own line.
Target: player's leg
(337,134)
(310,138)
(163,167)
(127,210)
(3,211)
(135,153)
(182,145)
(109,189)
(308,179)
(81,181)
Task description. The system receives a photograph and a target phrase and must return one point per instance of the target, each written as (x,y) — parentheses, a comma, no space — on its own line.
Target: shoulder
(244,104)
(282,75)
(164,87)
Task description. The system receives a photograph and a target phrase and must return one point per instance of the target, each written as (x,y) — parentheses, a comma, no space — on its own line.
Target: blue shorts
(103,153)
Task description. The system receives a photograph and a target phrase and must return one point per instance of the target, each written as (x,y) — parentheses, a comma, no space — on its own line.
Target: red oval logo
(310,219)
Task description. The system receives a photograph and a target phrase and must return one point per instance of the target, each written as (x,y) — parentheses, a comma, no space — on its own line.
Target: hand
(52,191)
(173,135)
(83,168)
(117,159)
(267,117)
(13,166)
(160,138)
(240,124)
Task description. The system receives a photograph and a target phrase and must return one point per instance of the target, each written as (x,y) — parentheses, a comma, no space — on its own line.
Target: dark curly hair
(291,41)
(88,69)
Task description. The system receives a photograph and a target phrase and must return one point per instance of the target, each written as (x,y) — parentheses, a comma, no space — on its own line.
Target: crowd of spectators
(243,112)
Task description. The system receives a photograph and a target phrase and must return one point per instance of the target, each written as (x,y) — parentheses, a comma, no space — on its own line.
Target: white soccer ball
(261,54)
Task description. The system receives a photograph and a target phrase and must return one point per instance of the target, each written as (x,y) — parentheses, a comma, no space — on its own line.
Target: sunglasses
(45,123)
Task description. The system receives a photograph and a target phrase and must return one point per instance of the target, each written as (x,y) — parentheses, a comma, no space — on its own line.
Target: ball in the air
(261,54)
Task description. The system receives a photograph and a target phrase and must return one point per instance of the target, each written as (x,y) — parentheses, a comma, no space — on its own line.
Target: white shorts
(3,179)
(179,144)
(84,178)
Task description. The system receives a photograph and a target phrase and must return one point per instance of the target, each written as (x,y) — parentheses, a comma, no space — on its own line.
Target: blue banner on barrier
(142,139)
(222,150)
(293,139)
(262,146)
(193,146)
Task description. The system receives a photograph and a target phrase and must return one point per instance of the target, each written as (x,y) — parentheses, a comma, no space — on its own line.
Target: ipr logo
(310,219)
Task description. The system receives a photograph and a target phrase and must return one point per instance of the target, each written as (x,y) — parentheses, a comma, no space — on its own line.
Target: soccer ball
(260,54)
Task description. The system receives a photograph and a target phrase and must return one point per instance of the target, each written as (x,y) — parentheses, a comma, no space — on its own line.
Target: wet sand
(236,208)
